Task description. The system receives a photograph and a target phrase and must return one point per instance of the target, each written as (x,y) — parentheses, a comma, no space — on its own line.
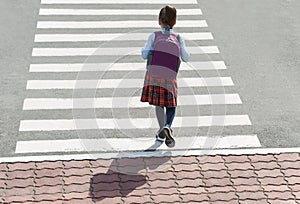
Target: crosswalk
(86,75)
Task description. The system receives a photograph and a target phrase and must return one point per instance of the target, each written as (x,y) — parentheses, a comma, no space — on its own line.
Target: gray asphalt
(259,42)
(18,23)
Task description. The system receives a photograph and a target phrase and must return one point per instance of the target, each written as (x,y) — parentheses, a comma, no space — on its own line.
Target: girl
(160,85)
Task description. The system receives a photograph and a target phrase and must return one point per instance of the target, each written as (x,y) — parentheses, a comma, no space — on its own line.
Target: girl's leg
(160,115)
(170,112)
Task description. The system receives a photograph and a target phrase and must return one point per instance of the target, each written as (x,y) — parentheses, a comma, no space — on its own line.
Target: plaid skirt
(159,91)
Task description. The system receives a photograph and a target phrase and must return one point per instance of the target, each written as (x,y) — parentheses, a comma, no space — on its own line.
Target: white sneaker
(159,136)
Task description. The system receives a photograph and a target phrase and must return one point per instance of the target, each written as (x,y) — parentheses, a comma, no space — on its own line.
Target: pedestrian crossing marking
(123,83)
(135,66)
(131,123)
(118,2)
(136,144)
(123,102)
(116,24)
(65,31)
(151,12)
(112,36)
(123,51)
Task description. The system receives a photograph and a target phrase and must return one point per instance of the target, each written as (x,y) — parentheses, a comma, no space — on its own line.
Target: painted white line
(152,12)
(112,37)
(131,123)
(116,24)
(135,144)
(118,2)
(91,67)
(123,83)
(168,153)
(123,102)
(120,51)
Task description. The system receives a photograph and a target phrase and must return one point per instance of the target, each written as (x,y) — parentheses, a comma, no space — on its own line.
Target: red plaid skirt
(159,91)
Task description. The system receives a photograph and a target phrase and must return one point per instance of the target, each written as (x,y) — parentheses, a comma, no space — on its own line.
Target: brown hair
(167,16)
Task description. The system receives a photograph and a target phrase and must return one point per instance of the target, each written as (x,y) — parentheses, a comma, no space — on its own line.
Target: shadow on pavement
(125,173)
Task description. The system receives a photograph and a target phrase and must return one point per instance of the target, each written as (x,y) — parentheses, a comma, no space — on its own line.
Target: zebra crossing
(86,75)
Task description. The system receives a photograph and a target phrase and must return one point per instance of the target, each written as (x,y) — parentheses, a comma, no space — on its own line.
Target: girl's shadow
(126,173)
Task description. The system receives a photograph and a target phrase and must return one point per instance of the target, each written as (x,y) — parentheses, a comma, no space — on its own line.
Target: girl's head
(167,16)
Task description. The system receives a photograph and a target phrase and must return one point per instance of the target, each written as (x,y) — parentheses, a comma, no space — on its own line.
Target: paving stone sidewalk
(260,178)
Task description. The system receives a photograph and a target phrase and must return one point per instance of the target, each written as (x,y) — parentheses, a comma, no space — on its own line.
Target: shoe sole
(167,133)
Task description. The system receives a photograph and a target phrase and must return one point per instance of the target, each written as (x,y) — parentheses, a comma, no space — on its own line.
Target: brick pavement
(260,178)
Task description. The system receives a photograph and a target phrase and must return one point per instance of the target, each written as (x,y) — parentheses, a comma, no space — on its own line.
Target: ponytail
(167,16)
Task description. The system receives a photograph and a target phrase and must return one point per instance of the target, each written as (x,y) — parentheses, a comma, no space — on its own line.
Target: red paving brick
(288,157)
(105,178)
(166,199)
(289,164)
(265,165)
(217,182)
(237,158)
(186,167)
(251,195)
(19,191)
(20,174)
(251,188)
(102,163)
(210,159)
(48,197)
(241,179)
(182,175)
(163,175)
(242,173)
(48,172)
(239,166)
(244,181)
(187,198)
(215,174)
(262,158)
(48,189)
(3,167)
(269,173)
(184,160)
(19,183)
(3,175)
(48,181)
(49,165)
(137,199)
(222,189)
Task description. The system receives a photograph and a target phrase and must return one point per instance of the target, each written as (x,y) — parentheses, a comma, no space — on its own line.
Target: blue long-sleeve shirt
(185,56)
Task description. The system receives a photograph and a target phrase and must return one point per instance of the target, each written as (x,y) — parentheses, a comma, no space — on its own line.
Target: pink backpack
(165,60)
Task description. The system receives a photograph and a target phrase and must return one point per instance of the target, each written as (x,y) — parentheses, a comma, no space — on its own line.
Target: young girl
(160,85)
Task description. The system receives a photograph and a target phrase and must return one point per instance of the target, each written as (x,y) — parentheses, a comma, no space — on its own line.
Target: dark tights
(165,118)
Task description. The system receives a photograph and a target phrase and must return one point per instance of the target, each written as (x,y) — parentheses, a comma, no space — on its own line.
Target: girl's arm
(185,56)
(148,46)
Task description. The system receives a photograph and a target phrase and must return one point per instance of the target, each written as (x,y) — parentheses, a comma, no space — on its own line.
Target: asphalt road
(259,42)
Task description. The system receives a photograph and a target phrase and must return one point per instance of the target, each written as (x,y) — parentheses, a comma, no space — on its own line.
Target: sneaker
(168,134)
(160,136)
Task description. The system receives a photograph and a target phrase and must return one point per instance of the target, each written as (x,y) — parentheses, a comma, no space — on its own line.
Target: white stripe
(135,144)
(152,12)
(201,152)
(133,123)
(89,67)
(118,2)
(116,24)
(113,36)
(123,102)
(110,51)
(123,83)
